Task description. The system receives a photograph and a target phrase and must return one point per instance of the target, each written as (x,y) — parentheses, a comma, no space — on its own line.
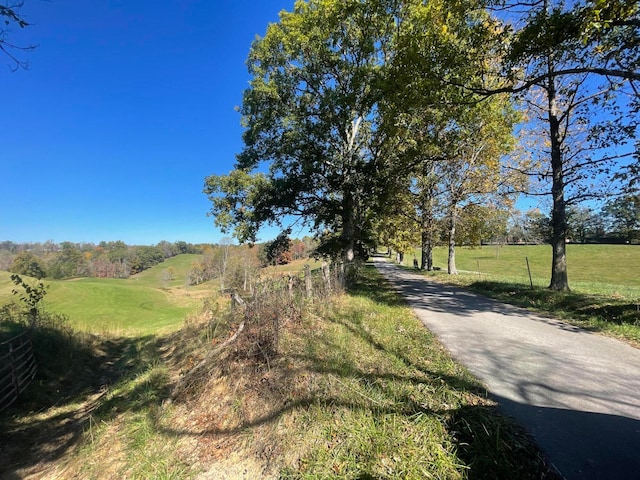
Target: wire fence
(17,368)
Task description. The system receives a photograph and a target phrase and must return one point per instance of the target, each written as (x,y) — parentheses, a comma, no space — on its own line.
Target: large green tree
(26,263)
(449,142)
(310,120)
(623,216)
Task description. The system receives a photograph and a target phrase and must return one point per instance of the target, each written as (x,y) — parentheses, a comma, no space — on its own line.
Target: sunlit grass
(295,267)
(145,303)
(608,266)
(389,402)
(358,389)
(170,273)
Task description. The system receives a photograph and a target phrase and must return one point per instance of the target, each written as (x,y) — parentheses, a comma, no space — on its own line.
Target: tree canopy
(309,114)
(376,120)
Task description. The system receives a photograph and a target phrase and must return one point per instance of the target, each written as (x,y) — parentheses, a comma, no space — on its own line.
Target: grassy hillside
(5,287)
(158,276)
(145,303)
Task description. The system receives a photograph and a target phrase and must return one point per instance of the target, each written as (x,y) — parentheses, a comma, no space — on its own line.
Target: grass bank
(355,387)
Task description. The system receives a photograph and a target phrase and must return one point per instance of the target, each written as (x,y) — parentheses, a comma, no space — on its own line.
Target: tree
(67,262)
(398,228)
(278,251)
(582,223)
(604,30)
(298,249)
(222,257)
(449,143)
(623,215)
(26,263)
(168,249)
(480,223)
(539,227)
(248,266)
(10,17)
(143,257)
(568,59)
(481,136)
(30,295)
(310,114)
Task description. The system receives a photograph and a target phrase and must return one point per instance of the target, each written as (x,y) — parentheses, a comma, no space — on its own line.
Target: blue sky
(125,108)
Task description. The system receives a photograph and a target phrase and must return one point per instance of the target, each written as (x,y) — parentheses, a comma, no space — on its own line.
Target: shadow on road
(608,448)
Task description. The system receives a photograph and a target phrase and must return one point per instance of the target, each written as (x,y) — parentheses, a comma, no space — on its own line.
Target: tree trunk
(559,277)
(427,207)
(451,261)
(426,262)
(308,283)
(348,229)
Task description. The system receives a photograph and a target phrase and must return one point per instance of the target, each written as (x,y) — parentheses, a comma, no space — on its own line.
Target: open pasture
(599,269)
(152,301)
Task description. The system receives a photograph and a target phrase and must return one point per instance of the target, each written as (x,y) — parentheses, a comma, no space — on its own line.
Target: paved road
(576,392)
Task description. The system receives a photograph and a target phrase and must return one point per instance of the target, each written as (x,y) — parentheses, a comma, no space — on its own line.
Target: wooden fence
(17,368)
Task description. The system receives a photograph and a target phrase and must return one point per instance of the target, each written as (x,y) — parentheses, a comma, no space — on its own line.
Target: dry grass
(358,389)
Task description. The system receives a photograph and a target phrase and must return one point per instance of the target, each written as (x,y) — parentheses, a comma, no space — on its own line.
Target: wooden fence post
(290,285)
(14,376)
(308,284)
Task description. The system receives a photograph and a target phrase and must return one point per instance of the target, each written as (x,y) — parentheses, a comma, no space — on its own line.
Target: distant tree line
(105,260)
(617,221)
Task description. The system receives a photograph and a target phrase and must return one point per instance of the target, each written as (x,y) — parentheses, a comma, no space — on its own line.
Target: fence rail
(17,368)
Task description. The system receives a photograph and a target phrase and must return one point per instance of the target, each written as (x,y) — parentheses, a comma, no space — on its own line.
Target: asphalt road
(576,392)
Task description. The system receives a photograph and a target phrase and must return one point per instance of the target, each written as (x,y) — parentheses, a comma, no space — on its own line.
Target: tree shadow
(492,445)
(73,387)
(383,398)
(578,441)
(418,292)
(594,446)
(580,306)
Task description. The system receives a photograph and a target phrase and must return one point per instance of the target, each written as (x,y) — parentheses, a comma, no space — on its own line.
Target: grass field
(143,304)
(603,269)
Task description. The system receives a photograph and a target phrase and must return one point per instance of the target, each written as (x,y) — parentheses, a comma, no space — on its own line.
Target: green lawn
(602,269)
(143,304)
(159,276)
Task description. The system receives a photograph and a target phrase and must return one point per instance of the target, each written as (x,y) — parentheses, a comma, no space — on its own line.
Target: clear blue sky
(126,107)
